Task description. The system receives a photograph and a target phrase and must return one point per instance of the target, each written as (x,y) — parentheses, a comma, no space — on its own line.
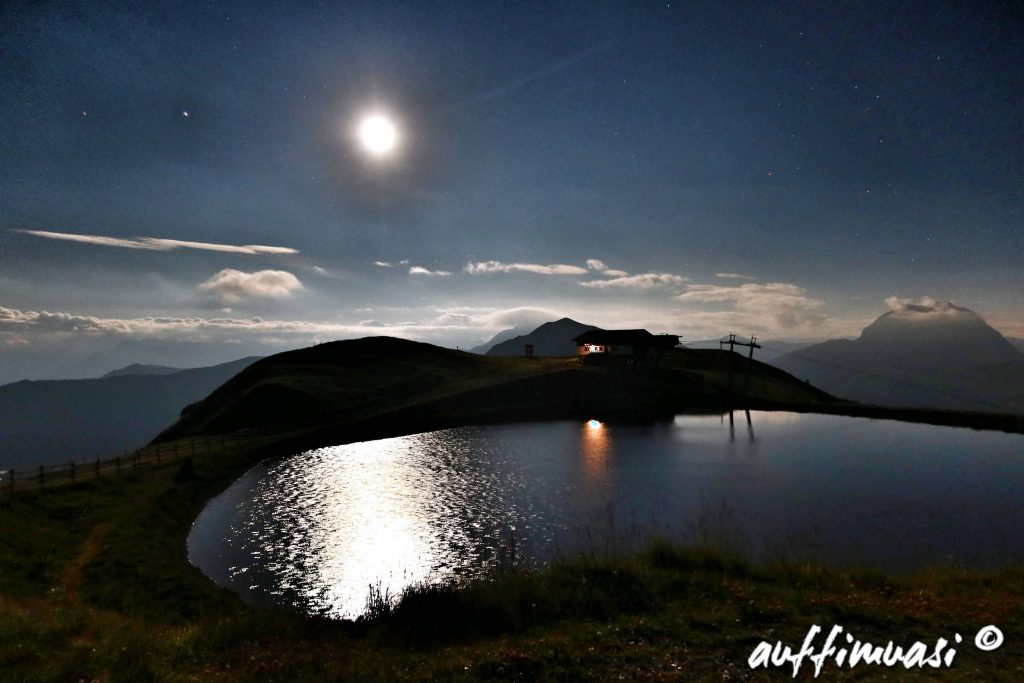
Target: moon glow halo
(378,135)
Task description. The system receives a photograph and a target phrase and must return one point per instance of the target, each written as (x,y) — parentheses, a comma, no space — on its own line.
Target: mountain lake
(315,530)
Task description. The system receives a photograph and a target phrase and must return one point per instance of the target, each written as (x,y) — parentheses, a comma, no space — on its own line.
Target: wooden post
(729,359)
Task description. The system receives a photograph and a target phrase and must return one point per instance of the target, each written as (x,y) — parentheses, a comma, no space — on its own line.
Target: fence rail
(13,480)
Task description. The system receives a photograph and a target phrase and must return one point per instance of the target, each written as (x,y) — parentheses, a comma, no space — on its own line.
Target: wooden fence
(45,476)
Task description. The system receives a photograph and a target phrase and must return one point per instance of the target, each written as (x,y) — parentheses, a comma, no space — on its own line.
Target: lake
(314,530)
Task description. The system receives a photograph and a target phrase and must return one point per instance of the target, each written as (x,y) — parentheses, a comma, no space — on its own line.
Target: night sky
(777,169)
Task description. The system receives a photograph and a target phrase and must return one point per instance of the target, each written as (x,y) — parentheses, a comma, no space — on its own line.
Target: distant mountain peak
(922,352)
(936,325)
(142,369)
(553,338)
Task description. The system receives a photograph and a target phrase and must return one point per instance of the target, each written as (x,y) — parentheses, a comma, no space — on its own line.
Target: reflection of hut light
(595,446)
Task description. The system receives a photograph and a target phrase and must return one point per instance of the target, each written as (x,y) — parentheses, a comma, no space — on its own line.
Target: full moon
(378,135)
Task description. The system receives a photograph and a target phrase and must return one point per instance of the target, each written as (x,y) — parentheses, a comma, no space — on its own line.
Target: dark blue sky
(832,156)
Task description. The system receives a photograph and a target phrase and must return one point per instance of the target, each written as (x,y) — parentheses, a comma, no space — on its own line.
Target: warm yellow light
(378,135)
(595,446)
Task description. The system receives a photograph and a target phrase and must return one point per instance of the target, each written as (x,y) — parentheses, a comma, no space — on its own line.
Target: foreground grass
(94,585)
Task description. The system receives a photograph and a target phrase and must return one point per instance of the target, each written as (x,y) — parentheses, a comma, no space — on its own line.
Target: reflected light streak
(595,445)
(369,530)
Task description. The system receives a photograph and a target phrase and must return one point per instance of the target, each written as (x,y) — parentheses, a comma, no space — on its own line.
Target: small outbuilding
(622,344)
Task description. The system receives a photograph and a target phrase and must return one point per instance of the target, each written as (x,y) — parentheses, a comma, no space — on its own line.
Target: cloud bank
(23,328)
(785,305)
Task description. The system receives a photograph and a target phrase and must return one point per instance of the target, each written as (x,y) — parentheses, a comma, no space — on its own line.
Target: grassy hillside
(342,382)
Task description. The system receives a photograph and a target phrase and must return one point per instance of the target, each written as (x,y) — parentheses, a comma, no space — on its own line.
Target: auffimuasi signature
(846,650)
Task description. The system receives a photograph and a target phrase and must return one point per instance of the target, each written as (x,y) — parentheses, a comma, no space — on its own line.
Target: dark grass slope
(341,380)
(380,377)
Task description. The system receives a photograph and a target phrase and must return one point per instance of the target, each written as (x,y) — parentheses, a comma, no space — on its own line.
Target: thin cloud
(599,266)
(924,306)
(158,243)
(231,286)
(499,267)
(491,319)
(643,281)
(420,270)
(734,276)
(525,80)
(390,264)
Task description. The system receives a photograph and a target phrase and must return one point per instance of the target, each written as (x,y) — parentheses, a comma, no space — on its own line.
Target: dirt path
(71,577)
